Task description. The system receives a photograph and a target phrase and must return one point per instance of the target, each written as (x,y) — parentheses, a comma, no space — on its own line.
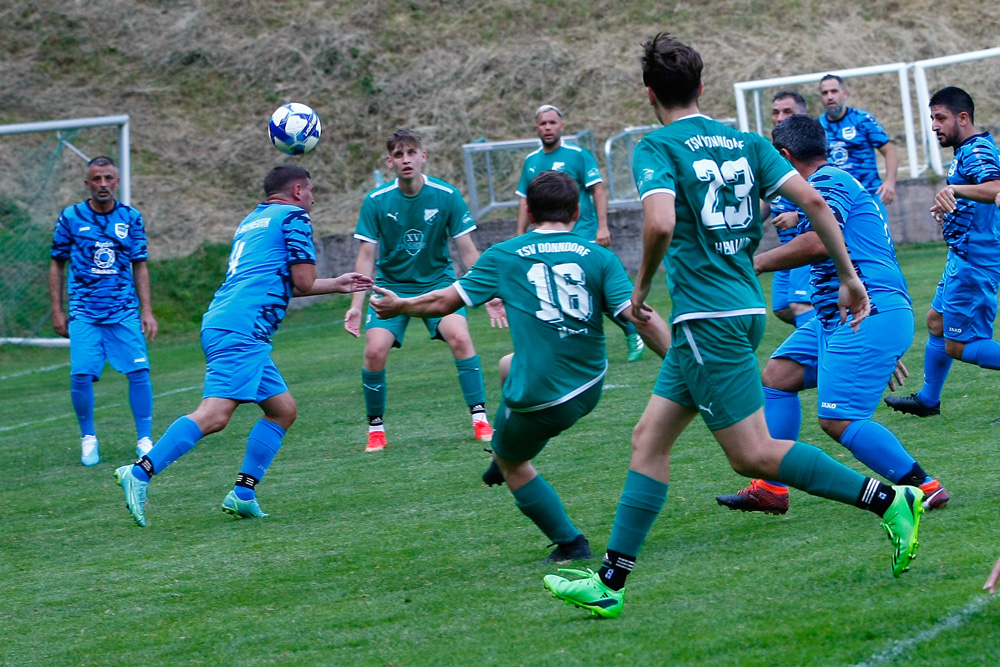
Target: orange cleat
(376,441)
(483,430)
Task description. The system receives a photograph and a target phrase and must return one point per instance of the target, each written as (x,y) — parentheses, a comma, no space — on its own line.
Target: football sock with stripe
(81,393)
(263,444)
(875,496)
(809,469)
(937,363)
(140,398)
(470,379)
(539,502)
(178,440)
(374,388)
(877,447)
(641,502)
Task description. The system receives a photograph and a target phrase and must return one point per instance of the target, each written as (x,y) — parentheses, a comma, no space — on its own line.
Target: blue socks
(470,379)
(540,503)
(262,444)
(783,414)
(641,502)
(140,398)
(877,447)
(984,352)
(937,363)
(178,440)
(81,393)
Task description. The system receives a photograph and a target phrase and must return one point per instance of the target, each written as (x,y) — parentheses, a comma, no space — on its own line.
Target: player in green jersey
(406,225)
(555,288)
(700,184)
(559,155)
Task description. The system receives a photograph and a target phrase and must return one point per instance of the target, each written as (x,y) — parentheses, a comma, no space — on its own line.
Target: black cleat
(912,405)
(492,476)
(578,549)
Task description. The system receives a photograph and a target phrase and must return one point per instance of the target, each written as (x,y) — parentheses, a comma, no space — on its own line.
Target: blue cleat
(135,493)
(242,509)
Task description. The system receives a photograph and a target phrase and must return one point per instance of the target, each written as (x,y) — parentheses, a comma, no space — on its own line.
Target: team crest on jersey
(430,214)
(121,229)
(557,166)
(413,242)
(849,132)
(952,168)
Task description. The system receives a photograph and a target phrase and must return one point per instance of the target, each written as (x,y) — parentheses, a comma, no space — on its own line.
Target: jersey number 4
(730,180)
(567,282)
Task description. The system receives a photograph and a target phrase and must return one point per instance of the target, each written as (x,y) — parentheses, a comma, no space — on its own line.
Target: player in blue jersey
(104,243)
(407,225)
(700,184)
(853,136)
(558,155)
(960,319)
(272,260)
(850,368)
(555,288)
(790,289)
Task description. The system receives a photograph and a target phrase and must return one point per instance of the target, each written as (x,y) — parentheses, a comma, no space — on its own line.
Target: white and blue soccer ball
(294,128)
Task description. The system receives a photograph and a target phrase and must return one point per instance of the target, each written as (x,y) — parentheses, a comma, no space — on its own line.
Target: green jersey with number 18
(717,176)
(555,287)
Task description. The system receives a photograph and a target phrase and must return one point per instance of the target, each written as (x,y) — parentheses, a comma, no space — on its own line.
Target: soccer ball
(294,128)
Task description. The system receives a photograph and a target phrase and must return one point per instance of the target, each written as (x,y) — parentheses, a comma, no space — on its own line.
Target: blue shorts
(791,286)
(520,436)
(239,367)
(966,297)
(851,369)
(397,325)
(121,344)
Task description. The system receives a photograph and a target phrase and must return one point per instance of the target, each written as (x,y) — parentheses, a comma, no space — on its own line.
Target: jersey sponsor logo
(121,229)
(698,142)
(955,330)
(732,246)
(837,152)
(256,224)
(413,242)
(849,132)
(85,229)
(430,214)
(565,332)
(829,406)
(645,177)
(104,256)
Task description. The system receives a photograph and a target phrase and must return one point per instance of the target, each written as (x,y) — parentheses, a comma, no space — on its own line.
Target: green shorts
(519,436)
(712,368)
(397,325)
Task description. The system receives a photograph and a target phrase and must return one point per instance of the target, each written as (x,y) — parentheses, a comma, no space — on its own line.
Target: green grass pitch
(405,558)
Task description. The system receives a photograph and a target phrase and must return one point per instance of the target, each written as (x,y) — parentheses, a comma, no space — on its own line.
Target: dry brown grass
(200,78)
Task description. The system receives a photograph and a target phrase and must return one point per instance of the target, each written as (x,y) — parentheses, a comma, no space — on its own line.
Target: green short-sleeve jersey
(717,176)
(555,287)
(413,234)
(578,163)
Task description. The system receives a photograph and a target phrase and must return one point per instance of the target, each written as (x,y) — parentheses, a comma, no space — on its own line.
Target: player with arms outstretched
(700,183)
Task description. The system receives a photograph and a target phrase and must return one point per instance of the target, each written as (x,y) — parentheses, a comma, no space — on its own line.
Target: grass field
(405,558)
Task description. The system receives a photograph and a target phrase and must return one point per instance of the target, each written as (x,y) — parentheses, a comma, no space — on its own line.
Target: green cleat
(901,523)
(635,347)
(135,493)
(589,593)
(242,509)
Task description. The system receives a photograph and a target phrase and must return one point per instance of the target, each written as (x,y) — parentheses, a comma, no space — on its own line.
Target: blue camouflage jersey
(869,244)
(972,230)
(851,143)
(258,285)
(100,249)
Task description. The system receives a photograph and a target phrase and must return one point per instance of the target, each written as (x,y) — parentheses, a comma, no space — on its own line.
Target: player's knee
(935,323)
(461,346)
(374,358)
(140,375)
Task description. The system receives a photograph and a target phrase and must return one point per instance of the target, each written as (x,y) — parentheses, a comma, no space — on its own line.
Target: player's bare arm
(438,303)
(364,264)
(305,282)
(786,220)
(57,276)
(494,307)
(803,249)
(600,195)
(140,274)
(853,295)
(887,191)
(946,200)
(522,216)
(659,219)
(654,330)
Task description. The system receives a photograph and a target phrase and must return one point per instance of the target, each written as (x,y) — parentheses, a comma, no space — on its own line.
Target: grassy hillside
(199,78)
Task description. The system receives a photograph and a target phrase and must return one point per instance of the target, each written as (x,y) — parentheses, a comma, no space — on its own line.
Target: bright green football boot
(901,523)
(243,509)
(635,347)
(589,593)
(135,493)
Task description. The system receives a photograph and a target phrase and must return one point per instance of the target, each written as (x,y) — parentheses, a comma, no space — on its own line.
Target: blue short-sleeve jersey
(972,230)
(868,241)
(851,143)
(254,296)
(100,249)
(781,205)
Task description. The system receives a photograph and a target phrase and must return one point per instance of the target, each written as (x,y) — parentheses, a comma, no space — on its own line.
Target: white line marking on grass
(96,409)
(950,622)
(43,369)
